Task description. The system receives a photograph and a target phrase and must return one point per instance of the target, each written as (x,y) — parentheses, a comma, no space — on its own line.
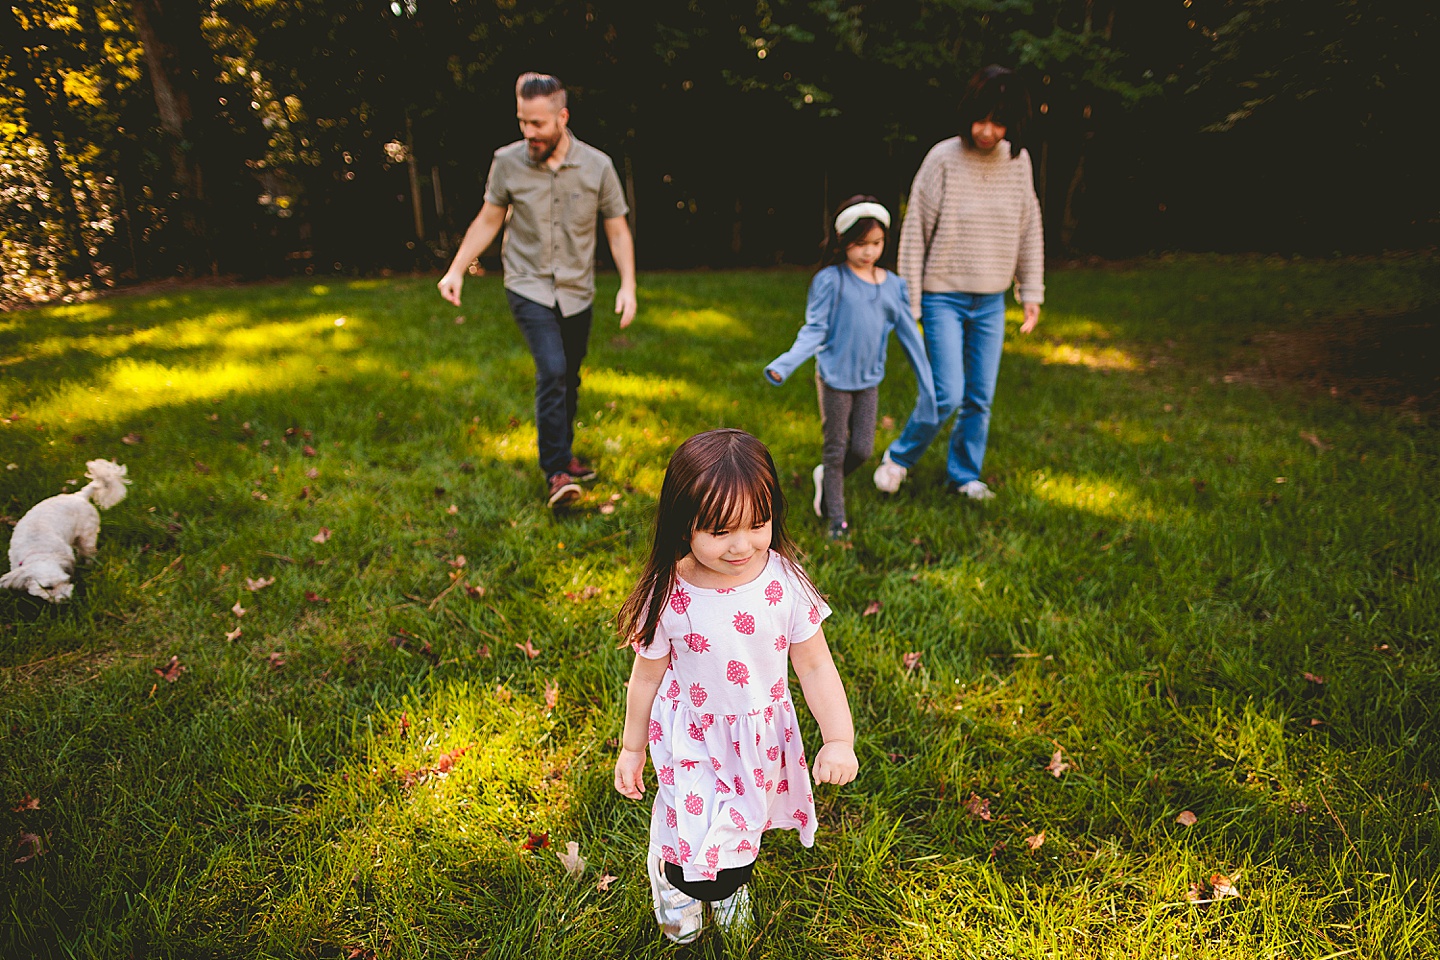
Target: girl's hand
(835,763)
(772,376)
(629,773)
(1032,317)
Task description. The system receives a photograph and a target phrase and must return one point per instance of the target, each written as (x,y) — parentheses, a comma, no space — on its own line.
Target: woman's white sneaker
(975,490)
(889,475)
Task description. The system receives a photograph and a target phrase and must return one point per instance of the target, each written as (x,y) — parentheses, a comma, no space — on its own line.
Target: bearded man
(551,189)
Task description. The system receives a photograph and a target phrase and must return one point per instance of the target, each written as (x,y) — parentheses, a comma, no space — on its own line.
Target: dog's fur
(43,547)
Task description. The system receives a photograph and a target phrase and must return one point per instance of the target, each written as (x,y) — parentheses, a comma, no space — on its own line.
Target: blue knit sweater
(847,328)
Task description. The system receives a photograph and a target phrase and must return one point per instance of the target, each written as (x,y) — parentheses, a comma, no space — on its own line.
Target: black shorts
(723,887)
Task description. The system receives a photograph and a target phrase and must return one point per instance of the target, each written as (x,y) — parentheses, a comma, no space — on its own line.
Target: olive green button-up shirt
(549,248)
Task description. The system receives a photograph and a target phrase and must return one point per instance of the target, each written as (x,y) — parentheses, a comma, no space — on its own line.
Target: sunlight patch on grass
(129,387)
(640,387)
(232,332)
(1075,355)
(1099,497)
(699,322)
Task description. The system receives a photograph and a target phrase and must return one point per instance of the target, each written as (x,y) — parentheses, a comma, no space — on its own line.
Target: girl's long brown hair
(710,481)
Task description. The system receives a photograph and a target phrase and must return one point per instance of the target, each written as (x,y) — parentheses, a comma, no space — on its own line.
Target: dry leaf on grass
(1195,894)
(1057,765)
(458,562)
(529,649)
(233,635)
(535,841)
(312,597)
(29,847)
(571,860)
(1314,441)
(978,807)
(1187,819)
(308,450)
(130,439)
(1036,842)
(1222,886)
(605,881)
(276,660)
(1313,677)
(552,695)
(872,608)
(311,473)
(238,610)
(911,660)
(255,586)
(322,536)
(171,671)
(607,508)
(27,802)
(475,590)
(887,422)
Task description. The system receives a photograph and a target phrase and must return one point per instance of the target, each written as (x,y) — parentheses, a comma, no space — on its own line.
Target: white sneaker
(976,490)
(889,475)
(733,915)
(680,917)
(818,475)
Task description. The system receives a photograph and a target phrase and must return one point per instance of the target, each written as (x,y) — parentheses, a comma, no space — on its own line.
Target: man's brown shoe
(563,490)
(580,470)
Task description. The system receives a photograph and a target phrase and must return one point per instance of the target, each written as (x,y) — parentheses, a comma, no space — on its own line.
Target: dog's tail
(107,483)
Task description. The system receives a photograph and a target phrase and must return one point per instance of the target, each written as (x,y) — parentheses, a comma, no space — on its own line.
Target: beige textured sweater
(973,224)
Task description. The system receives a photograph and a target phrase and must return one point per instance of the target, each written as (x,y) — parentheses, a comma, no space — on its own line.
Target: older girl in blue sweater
(852,307)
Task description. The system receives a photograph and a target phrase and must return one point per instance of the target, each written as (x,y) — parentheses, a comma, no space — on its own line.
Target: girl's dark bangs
(728,490)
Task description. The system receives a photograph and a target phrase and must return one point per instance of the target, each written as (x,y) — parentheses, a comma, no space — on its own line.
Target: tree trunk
(41,121)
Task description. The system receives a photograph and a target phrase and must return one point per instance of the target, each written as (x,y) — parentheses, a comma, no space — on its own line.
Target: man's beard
(546,148)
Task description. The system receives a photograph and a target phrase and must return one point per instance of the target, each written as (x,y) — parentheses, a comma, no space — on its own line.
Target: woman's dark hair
(711,480)
(835,245)
(996,92)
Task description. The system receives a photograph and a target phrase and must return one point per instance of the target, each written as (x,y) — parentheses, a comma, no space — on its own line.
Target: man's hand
(835,763)
(629,773)
(624,305)
(1032,317)
(450,285)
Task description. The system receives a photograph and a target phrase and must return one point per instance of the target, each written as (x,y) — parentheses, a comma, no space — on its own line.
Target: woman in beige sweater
(972,226)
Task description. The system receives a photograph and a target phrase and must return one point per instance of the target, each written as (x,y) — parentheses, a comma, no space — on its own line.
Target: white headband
(846,218)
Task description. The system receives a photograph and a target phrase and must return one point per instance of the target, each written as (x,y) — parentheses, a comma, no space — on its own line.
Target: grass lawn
(1208,590)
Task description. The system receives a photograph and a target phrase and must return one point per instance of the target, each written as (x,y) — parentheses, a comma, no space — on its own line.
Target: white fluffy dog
(43,547)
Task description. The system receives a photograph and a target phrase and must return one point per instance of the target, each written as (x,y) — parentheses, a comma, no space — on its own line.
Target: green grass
(1145,595)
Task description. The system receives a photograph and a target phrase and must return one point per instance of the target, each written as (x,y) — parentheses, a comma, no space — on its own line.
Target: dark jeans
(558,345)
(847,419)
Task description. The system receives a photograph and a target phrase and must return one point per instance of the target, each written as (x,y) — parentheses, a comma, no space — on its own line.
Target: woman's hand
(835,763)
(1032,317)
(629,773)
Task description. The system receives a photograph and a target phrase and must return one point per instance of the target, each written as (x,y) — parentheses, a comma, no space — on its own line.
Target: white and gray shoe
(733,915)
(818,475)
(975,490)
(889,475)
(681,917)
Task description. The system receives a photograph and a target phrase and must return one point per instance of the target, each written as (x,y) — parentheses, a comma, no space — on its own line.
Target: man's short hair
(532,86)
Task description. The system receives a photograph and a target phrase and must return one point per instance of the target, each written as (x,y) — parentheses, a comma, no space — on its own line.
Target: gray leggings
(847,418)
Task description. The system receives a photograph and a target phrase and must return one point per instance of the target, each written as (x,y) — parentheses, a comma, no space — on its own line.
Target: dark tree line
(148,138)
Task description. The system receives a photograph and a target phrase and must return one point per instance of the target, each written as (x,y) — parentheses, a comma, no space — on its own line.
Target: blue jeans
(963,335)
(558,345)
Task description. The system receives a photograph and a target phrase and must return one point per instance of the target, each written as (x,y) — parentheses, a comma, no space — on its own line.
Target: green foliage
(1143,596)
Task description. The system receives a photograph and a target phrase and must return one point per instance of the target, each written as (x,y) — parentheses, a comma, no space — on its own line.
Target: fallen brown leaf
(1222,886)
(322,536)
(1057,766)
(535,841)
(911,660)
(978,807)
(607,508)
(1313,677)
(458,562)
(1314,441)
(312,473)
(171,671)
(238,610)
(1187,819)
(27,802)
(276,660)
(29,847)
(571,860)
(872,608)
(552,695)
(605,881)
(312,597)
(130,439)
(528,648)
(475,590)
(255,586)
(233,635)
(1036,842)
(308,450)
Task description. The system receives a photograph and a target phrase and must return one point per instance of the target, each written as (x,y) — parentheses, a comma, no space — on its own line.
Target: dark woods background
(149,138)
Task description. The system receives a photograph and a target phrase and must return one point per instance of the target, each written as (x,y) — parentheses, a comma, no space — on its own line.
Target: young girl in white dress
(719,614)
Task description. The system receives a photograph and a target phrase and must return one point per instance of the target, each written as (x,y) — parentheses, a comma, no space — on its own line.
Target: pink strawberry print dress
(723,733)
